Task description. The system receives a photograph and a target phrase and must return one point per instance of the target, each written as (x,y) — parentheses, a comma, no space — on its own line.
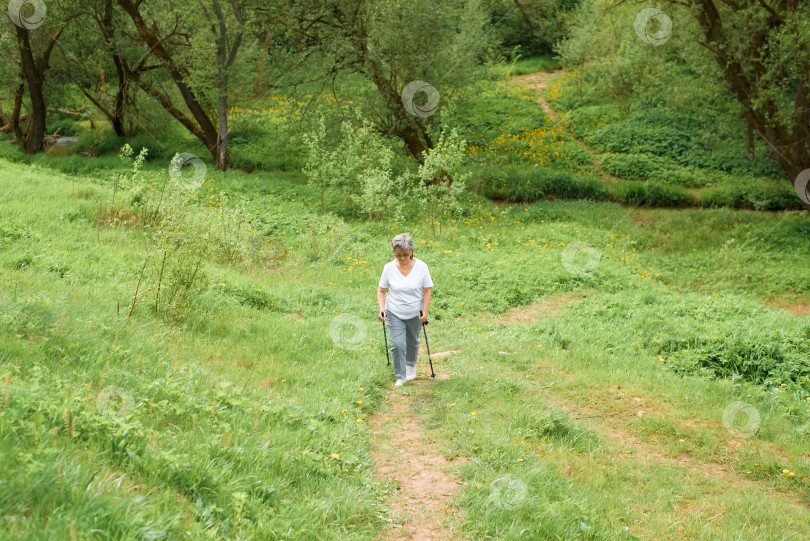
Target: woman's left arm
(427,292)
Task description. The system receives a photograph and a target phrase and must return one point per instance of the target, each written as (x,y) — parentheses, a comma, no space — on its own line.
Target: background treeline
(712,111)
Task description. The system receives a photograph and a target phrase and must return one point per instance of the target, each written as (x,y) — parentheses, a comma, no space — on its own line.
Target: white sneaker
(399,383)
(410,372)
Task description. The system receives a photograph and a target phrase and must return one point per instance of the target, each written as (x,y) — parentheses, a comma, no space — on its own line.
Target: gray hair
(403,242)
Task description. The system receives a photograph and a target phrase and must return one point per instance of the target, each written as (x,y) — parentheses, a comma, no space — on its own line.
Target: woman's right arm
(381,291)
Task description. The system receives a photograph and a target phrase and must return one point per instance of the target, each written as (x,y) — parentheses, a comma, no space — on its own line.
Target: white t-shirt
(404,298)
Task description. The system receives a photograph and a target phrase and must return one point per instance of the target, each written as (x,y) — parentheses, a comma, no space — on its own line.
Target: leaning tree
(189,54)
(385,45)
(762,49)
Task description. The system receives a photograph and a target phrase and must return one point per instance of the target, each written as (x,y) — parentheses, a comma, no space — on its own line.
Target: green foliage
(255,298)
(770,360)
(671,100)
(183,237)
(66,127)
(431,190)
(533,64)
(680,149)
(485,116)
(750,193)
(451,60)
(360,168)
(104,141)
(731,158)
(98,142)
(635,137)
(632,166)
(132,178)
(264,141)
(538,183)
(229,419)
(581,121)
(227,415)
(652,194)
(326,237)
(638,166)
(533,26)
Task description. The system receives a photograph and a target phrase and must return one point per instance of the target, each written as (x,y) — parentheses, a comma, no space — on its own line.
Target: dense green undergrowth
(204,364)
(244,414)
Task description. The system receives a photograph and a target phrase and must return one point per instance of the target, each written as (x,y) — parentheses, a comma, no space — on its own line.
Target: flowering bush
(359,165)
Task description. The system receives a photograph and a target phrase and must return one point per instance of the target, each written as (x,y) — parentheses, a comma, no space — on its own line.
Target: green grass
(533,64)
(224,423)
(599,415)
(223,431)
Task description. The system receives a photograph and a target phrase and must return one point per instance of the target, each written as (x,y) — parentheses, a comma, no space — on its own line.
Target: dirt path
(612,427)
(539,82)
(797,309)
(611,423)
(422,508)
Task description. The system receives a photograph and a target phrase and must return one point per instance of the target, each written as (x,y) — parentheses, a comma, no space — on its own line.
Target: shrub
(184,238)
(360,166)
(632,166)
(682,176)
(652,194)
(102,142)
(484,177)
(570,156)
(98,142)
(636,137)
(483,117)
(751,193)
(768,360)
(537,183)
(264,141)
(66,127)
(583,120)
(639,166)
(733,160)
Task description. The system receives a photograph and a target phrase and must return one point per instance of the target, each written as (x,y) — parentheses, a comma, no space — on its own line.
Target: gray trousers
(404,334)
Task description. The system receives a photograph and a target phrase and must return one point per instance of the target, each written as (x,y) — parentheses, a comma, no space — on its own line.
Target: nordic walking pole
(385,335)
(432,374)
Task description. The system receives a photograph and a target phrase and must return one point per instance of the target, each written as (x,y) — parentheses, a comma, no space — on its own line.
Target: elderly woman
(407,281)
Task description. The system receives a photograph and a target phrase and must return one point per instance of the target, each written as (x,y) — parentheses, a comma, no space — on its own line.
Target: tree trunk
(221,154)
(35,132)
(220,30)
(34,73)
(207,133)
(259,85)
(416,147)
(104,20)
(15,114)
(120,97)
(405,126)
(750,149)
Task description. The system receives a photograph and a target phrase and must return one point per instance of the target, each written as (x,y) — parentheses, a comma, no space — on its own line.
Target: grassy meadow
(225,392)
